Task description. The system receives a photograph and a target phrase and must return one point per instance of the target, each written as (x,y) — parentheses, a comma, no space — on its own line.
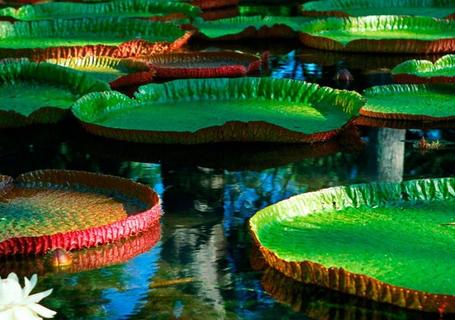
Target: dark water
(204,265)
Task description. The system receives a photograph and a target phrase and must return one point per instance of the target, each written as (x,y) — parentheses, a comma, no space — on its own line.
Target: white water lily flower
(17,303)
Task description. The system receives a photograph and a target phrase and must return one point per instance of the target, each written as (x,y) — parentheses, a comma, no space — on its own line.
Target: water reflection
(322,304)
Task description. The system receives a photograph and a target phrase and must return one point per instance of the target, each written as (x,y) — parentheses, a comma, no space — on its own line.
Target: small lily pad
(394,34)
(40,92)
(424,71)
(203,64)
(357,8)
(410,102)
(250,27)
(118,72)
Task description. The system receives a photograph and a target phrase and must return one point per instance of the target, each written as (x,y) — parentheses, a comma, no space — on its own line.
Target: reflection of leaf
(81,296)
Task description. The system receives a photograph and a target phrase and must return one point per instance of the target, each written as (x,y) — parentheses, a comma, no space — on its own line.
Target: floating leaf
(410,102)
(118,72)
(385,236)
(395,34)
(157,9)
(50,209)
(40,92)
(217,110)
(424,71)
(357,8)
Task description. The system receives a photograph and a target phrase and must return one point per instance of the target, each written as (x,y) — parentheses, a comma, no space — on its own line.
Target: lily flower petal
(29,284)
(24,313)
(7,315)
(37,297)
(42,311)
(13,277)
(10,292)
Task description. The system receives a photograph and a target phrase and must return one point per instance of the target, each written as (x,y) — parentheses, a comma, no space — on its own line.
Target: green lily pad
(398,34)
(40,92)
(410,102)
(420,71)
(83,32)
(121,8)
(368,240)
(249,27)
(216,110)
(357,8)
(107,69)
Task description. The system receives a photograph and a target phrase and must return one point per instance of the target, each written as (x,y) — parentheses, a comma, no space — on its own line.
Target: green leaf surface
(81,32)
(345,30)
(357,8)
(121,8)
(106,69)
(192,105)
(436,101)
(443,67)
(232,26)
(398,233)
(26,87)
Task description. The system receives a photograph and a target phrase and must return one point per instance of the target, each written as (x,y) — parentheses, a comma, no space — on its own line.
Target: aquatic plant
(17,303)
(345,239)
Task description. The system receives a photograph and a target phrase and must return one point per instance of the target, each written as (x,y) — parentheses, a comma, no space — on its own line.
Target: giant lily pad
(157,9)
(45,210)
(424,71)
(117,252)
(250,27)
(395,34)
(220,110)
(115,37)
(345,8)
(390,242)
(410,102)
(40,92)
(203,64)
(118,72)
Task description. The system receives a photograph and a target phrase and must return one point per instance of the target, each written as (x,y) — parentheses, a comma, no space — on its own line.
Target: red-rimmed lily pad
(424,71)
(392,34)
(204,64)
(249,27)
(402,124)
(93,258)
(118,72)
(410,102)
(114,37)
(357,8)
(154,10)
(221,110)
(40,92)
(389,242)
(50,209)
